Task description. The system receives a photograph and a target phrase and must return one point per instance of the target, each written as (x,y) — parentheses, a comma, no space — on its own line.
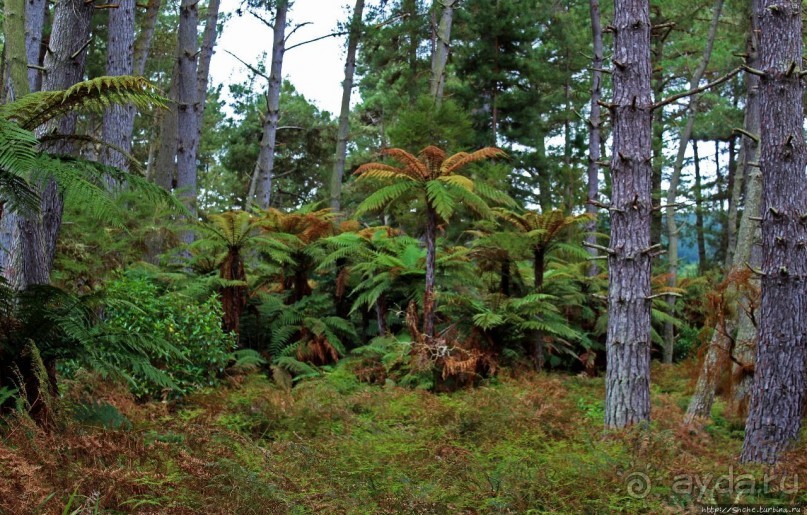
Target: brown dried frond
(433,157)
(462,159)
(411,162)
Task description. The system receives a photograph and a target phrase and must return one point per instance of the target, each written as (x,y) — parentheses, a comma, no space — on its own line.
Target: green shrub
(192,328)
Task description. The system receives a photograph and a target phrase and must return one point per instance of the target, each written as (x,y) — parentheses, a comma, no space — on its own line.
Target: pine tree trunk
(698,193)
(14,48)
(16,85)
(35,13)
(266,158)
(441,49)
(431,261)
(205,55)
(777,397)
(628,345)
(343,132)
(165,167)
(594,132)
(672,191)
(118,121)
(659,39)
(187,100)
(142,46)
(746,252)
(65,64)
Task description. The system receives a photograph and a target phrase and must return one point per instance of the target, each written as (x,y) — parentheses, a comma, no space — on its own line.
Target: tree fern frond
(440,199)
(459,181)
(96,95)
(408,160)
(383,197)
(462,159)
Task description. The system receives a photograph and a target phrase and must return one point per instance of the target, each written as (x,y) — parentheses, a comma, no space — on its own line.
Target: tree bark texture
(264,168)
(628,343)
(672,191)
(187,87)
(442,46)
(343,132)
(16,59)
(594,132)
(164,171)
(33,253)
(118,122)
(777,397)
(35,14)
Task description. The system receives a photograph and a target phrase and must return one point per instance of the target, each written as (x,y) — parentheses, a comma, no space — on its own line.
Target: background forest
(220,298)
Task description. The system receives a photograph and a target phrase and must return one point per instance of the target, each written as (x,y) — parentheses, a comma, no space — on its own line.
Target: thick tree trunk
(431,261)
(777,397)
(746,253)
(266,158)
(65,64)
(594,132)
(16,85)
(343,132)
(118,122)
(442,45)
(187,100)
(672,191)
(628,345)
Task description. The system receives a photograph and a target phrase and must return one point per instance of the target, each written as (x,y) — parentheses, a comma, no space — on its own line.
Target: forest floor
(527,444)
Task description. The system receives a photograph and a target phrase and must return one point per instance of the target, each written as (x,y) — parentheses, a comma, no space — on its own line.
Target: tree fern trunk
(537,337)
(431,253)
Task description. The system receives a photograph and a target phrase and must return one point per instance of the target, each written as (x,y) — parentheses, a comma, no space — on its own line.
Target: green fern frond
(95,96)
(384,196)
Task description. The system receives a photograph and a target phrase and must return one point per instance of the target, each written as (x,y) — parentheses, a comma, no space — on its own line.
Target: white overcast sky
(315,69)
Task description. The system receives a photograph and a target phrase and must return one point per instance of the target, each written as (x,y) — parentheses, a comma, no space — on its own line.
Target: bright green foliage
(68,327)
(191,329)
